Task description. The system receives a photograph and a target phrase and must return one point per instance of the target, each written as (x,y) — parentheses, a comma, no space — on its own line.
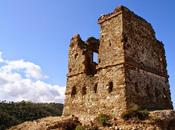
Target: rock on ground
(158,120)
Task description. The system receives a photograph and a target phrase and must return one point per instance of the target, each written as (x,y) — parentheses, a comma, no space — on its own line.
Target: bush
(103,119)
(80,127)
(135,113)
(13,113)
(6,120)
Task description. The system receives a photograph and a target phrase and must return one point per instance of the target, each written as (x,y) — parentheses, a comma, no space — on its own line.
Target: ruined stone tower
(131,69)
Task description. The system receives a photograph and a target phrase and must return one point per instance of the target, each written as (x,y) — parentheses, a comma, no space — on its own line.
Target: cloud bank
(24,80)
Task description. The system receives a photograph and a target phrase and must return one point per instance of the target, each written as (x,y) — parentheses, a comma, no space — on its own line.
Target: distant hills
(13,113)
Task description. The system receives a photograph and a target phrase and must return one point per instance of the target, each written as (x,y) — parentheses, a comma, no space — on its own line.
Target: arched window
(84,91)
(76,55)
(95,57)
(70,69)
(95,88)
(110,87)
(74,91)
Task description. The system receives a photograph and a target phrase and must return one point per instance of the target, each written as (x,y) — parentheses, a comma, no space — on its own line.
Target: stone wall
(111,51)
(141,46)
(146,74)
(89,94)
(96,95)
(147,89)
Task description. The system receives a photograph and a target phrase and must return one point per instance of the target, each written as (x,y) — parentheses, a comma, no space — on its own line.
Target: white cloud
(1,59)
(23,80)
(29,69)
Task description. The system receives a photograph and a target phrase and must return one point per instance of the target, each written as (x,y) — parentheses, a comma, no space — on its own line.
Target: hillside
(157,120)
(15,113)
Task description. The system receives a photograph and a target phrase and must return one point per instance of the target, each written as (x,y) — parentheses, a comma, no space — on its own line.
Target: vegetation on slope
(135,113)
(14,113)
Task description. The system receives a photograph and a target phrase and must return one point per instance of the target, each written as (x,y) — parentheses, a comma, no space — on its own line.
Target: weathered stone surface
(158,120)
(131,69)
(49,123)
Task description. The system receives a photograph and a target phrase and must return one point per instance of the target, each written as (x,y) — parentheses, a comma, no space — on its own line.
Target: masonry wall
(112,97)
(89,94)
(111,64)
(146,74)
(77,58)
(111,51)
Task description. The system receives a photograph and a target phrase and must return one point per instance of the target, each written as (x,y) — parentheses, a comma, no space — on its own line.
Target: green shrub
(7,120)
(135,113)
(13,113)
(93,128)
(103,119)
(80,127)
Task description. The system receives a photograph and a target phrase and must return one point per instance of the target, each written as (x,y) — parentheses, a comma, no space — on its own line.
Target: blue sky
(39,31)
